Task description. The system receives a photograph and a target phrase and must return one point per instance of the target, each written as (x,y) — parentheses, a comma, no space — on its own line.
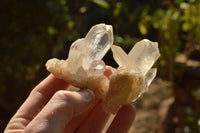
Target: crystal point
(151,74)
(94,46)
(84,67)
(122,58)
(144,54)
(97,68)
(133,76)
(140,59)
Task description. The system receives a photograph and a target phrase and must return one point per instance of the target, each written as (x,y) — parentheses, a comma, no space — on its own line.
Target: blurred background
(33,31)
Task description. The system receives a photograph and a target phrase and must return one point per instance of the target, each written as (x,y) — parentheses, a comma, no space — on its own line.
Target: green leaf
(142,29)
(70,25)
(117,9)
(51,30)
(62,2)
(185,26)
(101,3)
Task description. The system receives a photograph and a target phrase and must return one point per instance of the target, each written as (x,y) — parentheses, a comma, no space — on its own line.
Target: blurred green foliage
(35,30)
(192,122)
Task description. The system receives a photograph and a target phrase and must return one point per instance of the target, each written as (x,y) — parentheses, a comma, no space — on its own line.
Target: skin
(50,108)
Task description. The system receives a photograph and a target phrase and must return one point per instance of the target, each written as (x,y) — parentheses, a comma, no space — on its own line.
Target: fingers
(97,118)
(63,106)
(78,120)
(123,120)
(38,98)
(36,101)
(96,121)
(41,94)
(108,71)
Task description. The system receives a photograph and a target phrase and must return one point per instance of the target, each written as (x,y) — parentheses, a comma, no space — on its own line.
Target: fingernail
(88,95)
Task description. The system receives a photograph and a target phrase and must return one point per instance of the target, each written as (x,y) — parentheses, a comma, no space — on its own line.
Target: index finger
(38,98)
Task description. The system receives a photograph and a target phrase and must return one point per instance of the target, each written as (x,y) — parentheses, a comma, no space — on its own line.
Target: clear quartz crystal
(85,54)
(151,74)
(93,47)
(140,59)
(144,54)
(84,67)
(96,68)
(133,75)
(122,58)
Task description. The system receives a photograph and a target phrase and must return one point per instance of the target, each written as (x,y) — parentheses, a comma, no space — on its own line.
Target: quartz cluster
(85,68)
(133,76)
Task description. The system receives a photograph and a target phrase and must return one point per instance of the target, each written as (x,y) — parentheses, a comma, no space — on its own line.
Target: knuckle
(65,95)
(63,98)
(59,93)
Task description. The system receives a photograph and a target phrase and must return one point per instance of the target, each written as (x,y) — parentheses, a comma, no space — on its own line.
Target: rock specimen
(84,67)
(133,76)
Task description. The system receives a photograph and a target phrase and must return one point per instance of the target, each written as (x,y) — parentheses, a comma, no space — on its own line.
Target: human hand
(50,108)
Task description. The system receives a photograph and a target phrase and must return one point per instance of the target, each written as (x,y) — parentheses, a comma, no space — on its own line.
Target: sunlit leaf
(178,1)
(117,9)
(185,26)
(175,15)
(62,2)
(51,30)
(142,29)
(70,25)
(101,3)
(167,35)
(184,5)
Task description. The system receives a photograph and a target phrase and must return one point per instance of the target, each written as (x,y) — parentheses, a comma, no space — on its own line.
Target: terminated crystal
(84,67)
(144,54)
(133,76)
(93,47)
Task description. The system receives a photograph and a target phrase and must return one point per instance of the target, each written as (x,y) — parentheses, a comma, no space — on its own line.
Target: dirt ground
(151,108)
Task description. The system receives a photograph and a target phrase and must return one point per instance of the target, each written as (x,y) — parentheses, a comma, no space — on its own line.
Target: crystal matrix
(84,67)
(133,76)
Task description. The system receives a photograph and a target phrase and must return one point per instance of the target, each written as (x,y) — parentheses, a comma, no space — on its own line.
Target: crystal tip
(102,25)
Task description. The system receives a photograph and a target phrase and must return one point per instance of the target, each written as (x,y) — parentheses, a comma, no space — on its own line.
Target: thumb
(60,110)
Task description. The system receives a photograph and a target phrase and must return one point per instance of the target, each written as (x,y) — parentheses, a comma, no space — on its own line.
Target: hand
(50,108)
